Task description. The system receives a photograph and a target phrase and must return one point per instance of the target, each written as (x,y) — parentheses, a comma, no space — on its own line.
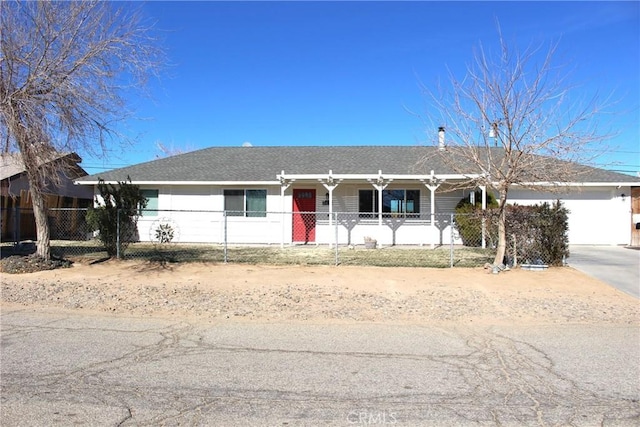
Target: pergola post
(330,184)
(380,184)
(284,184)
(432,190)
(432,184)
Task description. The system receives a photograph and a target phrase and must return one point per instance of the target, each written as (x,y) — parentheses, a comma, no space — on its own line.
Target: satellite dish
(247,144)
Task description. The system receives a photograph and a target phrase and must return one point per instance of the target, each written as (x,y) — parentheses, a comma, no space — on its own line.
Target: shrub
(468,219)
(539,233)
(116,215)
(554,227)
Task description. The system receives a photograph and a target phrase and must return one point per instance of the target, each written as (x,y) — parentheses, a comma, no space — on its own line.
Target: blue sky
(349,73)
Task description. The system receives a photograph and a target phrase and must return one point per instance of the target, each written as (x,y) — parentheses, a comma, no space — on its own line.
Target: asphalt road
(59,370)
(615,265)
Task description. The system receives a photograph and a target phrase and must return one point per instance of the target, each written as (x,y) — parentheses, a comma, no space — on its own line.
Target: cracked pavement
(61,368)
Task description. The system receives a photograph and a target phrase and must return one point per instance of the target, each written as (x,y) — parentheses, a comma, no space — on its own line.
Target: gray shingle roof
(264,163)
(11,164)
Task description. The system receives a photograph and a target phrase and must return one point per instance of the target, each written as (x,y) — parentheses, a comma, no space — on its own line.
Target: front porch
(391,209)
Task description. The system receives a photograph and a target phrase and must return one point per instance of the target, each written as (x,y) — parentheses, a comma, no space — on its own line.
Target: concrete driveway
(616,265)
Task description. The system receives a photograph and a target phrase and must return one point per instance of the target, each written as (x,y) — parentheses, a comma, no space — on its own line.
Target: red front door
(304,217)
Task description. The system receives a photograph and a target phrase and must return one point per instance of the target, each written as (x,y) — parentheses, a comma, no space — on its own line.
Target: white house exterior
(598,214)
(323,195)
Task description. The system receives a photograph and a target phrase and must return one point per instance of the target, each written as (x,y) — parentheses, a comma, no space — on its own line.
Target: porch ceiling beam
(330,180)
(316,177)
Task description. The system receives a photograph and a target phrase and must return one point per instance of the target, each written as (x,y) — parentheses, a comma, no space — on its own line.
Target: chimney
(441,138)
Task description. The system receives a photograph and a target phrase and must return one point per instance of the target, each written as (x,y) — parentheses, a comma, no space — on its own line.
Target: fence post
(451,243)
(118,233)
(335,222)
(282,222)
(224,216)
(16,224)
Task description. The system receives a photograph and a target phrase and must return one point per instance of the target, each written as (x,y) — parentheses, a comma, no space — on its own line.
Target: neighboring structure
(17,218)
(268,194)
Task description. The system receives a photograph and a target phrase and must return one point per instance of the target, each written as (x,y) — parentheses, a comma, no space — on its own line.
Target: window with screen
(397,202)
(247,203)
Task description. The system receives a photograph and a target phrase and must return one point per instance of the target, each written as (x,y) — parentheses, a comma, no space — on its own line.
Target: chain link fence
(536,236)
(417,240)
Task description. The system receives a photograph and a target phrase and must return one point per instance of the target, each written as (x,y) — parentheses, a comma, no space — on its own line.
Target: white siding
(197,214)
(188,210)
(598,215)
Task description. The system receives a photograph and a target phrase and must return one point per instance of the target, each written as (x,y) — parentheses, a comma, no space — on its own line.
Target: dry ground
(240,292)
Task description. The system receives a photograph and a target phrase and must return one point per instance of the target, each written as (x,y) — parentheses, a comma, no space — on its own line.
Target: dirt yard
(238,292)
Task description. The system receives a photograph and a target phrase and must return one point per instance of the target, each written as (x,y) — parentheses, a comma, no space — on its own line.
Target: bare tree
(516,119)
(165,150)
(66,70)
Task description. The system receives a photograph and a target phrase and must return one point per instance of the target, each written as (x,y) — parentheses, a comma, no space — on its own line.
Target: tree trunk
(502,230)
(43,244)
(33,162)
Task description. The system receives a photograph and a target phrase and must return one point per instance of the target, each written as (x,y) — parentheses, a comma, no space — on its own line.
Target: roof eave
(578,184)
(198,183)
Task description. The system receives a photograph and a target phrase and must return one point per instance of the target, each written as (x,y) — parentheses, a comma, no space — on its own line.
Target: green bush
(536,234)
(469,217)
(116,214)
(539,233)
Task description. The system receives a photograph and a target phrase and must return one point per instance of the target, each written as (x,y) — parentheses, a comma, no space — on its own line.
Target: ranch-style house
(325,194)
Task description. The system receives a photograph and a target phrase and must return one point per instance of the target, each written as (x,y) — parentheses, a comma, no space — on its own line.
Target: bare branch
(66,72)
(542,128)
